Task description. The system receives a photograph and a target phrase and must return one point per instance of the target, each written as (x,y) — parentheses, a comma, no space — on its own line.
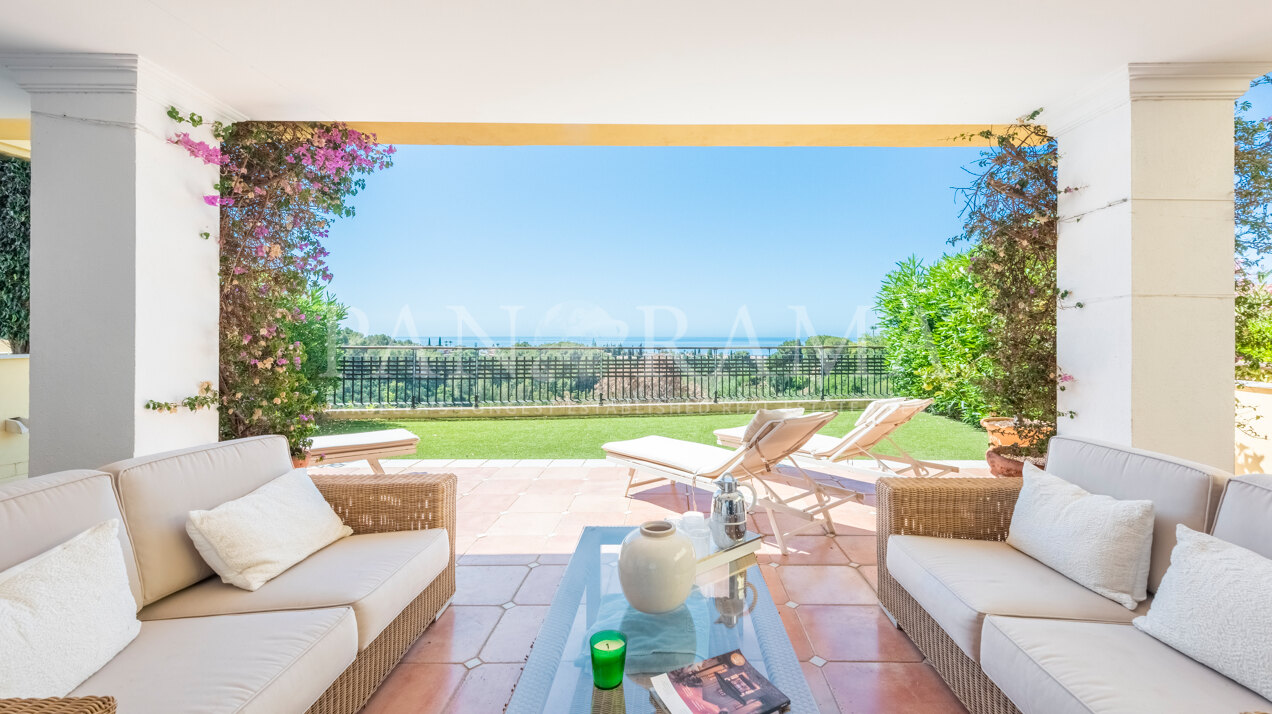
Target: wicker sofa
(1009,634)
(319,638)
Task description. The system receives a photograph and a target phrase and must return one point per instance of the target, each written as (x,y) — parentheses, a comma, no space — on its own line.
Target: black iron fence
(411,377)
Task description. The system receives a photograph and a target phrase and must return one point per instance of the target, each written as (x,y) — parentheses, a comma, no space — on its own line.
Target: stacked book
(727,684)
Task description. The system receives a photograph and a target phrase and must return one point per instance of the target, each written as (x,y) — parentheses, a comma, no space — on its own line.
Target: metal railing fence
(422,376)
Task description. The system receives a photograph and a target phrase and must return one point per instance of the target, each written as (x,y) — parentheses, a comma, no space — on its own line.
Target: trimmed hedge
(15,252)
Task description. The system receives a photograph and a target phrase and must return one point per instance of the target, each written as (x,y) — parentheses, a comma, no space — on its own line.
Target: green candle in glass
(609,650)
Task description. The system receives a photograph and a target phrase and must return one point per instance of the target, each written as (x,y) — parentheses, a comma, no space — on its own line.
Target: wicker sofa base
(964,676)
(355,685)
(978,509)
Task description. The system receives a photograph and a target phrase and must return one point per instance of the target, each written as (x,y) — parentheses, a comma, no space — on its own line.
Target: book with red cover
(726,684)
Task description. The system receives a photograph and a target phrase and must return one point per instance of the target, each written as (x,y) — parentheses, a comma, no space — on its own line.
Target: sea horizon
(687,341)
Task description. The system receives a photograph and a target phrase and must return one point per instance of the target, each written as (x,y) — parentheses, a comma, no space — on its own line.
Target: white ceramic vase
(656,567)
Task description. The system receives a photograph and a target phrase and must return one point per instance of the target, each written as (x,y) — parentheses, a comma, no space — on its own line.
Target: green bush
(934,322)
(316,334)
(15,253)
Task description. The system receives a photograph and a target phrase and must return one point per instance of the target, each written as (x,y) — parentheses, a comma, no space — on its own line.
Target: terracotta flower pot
(1004,466)
(1001,431)
(300,462)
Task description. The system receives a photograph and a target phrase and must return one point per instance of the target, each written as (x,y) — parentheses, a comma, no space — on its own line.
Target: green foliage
(207,398)
(15,253)
(1011,217)
(282,185)
(934,321)
(1253,240)
(316,335)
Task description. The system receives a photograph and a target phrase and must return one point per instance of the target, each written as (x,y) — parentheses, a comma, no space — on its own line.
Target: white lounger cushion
(246,664)
(359,440)
(959,582)
(377,574)
(688,456)
(1065,667)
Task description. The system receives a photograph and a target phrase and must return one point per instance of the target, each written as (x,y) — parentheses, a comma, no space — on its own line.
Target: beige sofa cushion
(1062,667)
(960,582)
(39,514)
(377,574)
(1245,514)
(1181,491)
(157,493)
(262,663)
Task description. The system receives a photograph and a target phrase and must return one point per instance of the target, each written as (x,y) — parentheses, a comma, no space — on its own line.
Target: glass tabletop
(728,609)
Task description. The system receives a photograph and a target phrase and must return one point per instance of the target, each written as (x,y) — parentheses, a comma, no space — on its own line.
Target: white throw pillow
(1097,541)
(764,416)
(251,540)
(1215,605)
(64,614)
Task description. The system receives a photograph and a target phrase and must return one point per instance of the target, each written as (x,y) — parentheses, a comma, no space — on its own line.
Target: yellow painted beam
(466,134)
(18,131)
(15,137)
(15,129)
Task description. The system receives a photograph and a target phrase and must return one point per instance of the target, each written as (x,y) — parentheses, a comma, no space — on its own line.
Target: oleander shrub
(934,322)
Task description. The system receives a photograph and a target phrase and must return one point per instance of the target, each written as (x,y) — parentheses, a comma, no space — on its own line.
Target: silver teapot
(728,511)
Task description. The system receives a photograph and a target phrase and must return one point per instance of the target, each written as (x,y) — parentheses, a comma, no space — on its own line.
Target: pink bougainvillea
(281,185)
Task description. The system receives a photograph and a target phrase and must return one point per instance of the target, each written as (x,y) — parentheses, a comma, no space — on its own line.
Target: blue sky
(583,237)
(619,242)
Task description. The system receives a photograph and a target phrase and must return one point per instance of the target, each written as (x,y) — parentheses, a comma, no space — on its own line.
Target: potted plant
(1010,218)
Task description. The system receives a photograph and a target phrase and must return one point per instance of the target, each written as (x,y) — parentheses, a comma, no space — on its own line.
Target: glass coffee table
(731,609)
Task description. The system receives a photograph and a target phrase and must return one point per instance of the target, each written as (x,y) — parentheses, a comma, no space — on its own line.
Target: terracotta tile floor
(519,521)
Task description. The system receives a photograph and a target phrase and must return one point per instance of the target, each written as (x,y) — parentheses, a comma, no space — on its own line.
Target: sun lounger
(659,458)
(874,427)
(369,445)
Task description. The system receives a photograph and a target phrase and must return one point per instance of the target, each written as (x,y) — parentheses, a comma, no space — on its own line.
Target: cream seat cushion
(959,582)
(1064,667)
(1243,517)
(157,493)
(262,663)
(377,574)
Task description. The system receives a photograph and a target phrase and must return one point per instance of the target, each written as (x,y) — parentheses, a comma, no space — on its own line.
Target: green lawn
(926,436)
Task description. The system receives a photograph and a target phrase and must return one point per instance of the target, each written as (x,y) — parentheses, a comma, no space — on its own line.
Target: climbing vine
(281,186)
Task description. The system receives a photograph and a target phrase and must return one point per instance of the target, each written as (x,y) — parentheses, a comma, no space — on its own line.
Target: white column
(124,302)
(1146,246)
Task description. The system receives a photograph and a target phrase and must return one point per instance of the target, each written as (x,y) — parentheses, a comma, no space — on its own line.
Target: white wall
(14,402)
(1146,247)
(123,291)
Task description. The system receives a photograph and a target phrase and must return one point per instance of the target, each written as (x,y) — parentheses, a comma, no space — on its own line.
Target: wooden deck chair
(661,458)
(875,426)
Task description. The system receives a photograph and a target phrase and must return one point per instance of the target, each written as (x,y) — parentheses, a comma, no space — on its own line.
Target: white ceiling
(641,61)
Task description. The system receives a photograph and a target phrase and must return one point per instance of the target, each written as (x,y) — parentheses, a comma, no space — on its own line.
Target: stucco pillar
(124,302)
(1146,245)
